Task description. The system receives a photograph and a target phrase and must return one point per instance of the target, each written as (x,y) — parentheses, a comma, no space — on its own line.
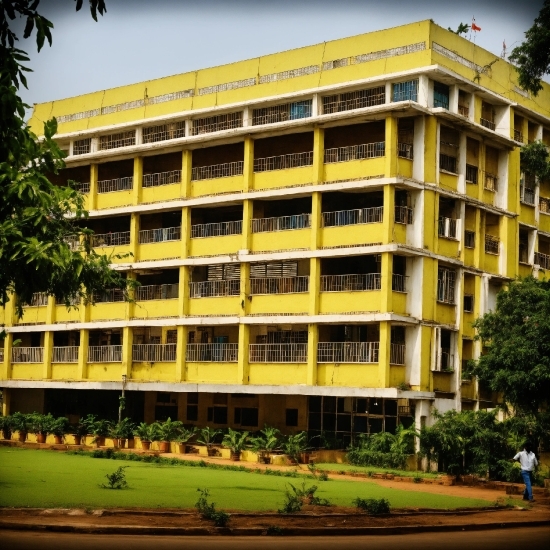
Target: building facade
(314,233)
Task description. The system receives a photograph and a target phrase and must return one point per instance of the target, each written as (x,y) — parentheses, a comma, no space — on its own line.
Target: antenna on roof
(503,53)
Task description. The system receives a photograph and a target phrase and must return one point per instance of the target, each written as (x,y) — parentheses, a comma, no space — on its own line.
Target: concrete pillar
(138,180)
(314,285)
(384,354)
(6,401)
(245,295)
(134,237)
(186,165)
(183,290)
(185,231)
(462,154)
(248,214)
(453,98)
(431,148)
(243,369)
(92,196)
(181,348)
(127,344)
(48,351)
(318,155)
(425,91)
(8,345)
(418,148)
(83,354)
(386,271)
(390,170)
(248,169)
(388,218)
(312,341)
(316,220)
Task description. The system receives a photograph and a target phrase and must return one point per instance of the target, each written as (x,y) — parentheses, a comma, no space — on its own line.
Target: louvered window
(223,272)
(274,270)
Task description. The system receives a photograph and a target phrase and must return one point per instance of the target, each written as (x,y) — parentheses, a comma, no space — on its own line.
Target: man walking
(528,461)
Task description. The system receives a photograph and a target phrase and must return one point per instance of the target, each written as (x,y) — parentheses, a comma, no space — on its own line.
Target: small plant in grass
(296,497)
(207,510)
(373,506)
(116,480)
(417,479)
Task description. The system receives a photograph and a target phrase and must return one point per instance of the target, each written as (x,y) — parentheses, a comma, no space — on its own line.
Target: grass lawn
(331,467)
(51,479)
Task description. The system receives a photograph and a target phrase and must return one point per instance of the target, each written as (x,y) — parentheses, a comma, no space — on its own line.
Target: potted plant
(41,425)
(296,447)
(21,424)
(6,425)
(207,438)
(122,431)
(100,430)
(167,431)
(82,428)
(59,427)
(265,444)
(146,433)
(183,437)
(235,441)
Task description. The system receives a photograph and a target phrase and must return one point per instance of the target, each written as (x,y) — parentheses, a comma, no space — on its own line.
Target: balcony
(405,151)
(447,163)
(282,113)
(397,354)
(65,354)
(120,238)
(399,283)
(114,141)
(283,162)
(163,132)
(403,214)
(157,292)
(153,353)
(162,234)
(492,244)
(220,229)
(447,228)
(279,285)
(39,299)
(105,354)
(223,170)
(351,283)
(491,182)
(161,178)
(543,260)
(518,136)
(217,123)
(110,295)
(281,223)
(348,352)
(544,205)
(212,289)
(355,152)
(27,355)
(278,353)
(83,187)
(487,123)
(215,353)
(353,217)
(115,184)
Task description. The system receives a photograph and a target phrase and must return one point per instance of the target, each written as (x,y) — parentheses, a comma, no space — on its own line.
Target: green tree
(532,57)
(38,219)
(462,28)
(535,159)
(516,336)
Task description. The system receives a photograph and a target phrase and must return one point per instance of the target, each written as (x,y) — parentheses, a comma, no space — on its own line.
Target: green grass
(373,469)
(51,479)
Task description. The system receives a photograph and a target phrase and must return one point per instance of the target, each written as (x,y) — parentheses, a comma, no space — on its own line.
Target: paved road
(529,538)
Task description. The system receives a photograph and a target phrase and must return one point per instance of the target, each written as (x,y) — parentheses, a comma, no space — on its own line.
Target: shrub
(207,510)
(116,480)
(296,497)
(373,506)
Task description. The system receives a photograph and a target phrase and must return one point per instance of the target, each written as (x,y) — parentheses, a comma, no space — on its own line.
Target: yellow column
(50,311)
(430,149)
(183,290)
(186,164)
(318,155)
(138,180)
(480,239)
(6,365)
(185,231)
(312,340)
(481,178)
(245,295)
(134,238)
(6,402)
(48,350)
(127,342)
(92,197)
(314,285)
(83,354)
(425,351)
(386,272)
(243,369)
(389,213)
(248,169)
(181,347)
(384,354)
(390,169)
(316,219)
(130,307)
(248,214)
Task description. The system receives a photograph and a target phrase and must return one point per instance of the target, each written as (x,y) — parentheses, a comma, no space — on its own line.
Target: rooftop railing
(159,235)
(543,260)
(283,162)
(104,354)
(353,217)
(216,353)
(156,292)
(281,223)
(279,285)
(27,355)
(116,184)
(277,353)
(65,354)
(153,353)
(355,152)
(214,289)
(403,214)
(351,283)
(348,352)
(224,170)
(397,354)
(161,178)
(219,229)
(119,238)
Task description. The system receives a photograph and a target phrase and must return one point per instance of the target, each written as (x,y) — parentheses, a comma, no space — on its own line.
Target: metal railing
(447,228)
(160,235)
(446,360)
(492,244)
(116,184)
(156,292)
(83,187)
(110,295)
(527,196)
(463,111)
(104,354)
(403,214)
(354,100)
(487,123)
(65,354)
(82,146)
(518,136)
(397,354)
(39,299)
(119,238)
(491,182)
(348,352)
(544,205)
(351,283)
(172,130)
(282,113)
(405,150)
(161,178)
(27,355)
(223,170)
(353,217)
(73,242)
(153,353)
(216,353)
(447,163)
(543,260)
(212,289)
(219,229)
(281,223)
(113,141)
(279,285)
(283,162)
(399,282)
(355,152)
(471,173)
(277,353)
(217,123)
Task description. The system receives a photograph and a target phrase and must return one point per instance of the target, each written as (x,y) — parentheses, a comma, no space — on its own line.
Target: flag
(475,27)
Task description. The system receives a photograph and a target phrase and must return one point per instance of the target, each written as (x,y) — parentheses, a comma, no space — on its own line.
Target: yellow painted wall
(367,233)
(215,245)
(283,178)
(354,169)
(281,240)
(278,373)
(348,375)
(279,303)
(217,185)
(65,371)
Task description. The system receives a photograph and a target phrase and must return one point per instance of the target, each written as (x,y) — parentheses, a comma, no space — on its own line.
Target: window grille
(224,170)
(544,205)
(441,95)
(281,223)
(82,146)
(492,244)
(518,136)
(405,151)
(217,352)
(111,239)
(216,229)
(351,283)
(282,113)
(527,193)
(157,292)
(447,163)
(117,184)
(468,303)
(353,217)
(543,260)
(282,162)
(161,178)
(348,352)
(354,100)
(446,285)
(217,123)
(399,283)
(223,271)
(275,269)
(469,239)
(397,354)
(487,123)
(403,214)
(162,234)
(355,152)
(471,173)
(405,91)
(279,285)
(447,228)
(463,111)
(163,132)
(113,141)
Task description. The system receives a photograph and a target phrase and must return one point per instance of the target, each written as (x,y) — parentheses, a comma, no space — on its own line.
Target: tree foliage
(462,28)
(38,219)
(516,361)
(532,57)
(535,159)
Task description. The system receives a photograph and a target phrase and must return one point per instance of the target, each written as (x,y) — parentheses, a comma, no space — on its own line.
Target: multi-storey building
(314,232)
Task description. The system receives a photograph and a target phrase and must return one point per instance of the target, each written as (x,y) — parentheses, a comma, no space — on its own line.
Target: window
(218,415)
(446,285)
(192,407)
(441,95)
(246,416)
(492,244)
(471,173)
(468,303)
(469,239)
(292,417)
(354,100)
(405,91)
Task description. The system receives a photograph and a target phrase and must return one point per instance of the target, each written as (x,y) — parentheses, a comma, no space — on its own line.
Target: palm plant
(207,438)
(235,441)
(169,429)
(266,443)
(183,437)
(295,445)
(146,433)
(60,427)
(6,425)
(21,423)
(41,424)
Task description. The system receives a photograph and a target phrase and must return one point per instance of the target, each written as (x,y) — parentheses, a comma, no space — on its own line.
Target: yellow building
(314,232)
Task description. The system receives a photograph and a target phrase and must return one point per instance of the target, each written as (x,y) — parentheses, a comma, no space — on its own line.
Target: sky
(138,40)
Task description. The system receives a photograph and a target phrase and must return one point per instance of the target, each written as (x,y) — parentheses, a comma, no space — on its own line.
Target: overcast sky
(138,40)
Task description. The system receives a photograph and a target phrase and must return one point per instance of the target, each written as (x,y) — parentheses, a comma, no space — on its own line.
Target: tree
(532,57)
(39,220)
(462,28)
(535,159)
(516,361)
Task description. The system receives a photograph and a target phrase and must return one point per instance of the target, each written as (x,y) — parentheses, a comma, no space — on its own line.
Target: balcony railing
(544,205)
(110,295)
(403,214)
(156,292)
(27,355)
(282,162)
(153,353)
(543,260)
(518,136)
(160,235)
(446,360)
(355,152)
(354,100)
(39,299)
(348,352)
(277,353)
(216,353)
(471,173)
(82,146)
(527,196)
(161,178)
(210,289)
(492,244)
(116,184)
(463,111)
(65,354)
(397,354)
(447,228)
(279,285)
(111,239)
(172,130)
(353,217)
(73,241)
(399,282)
(104,354)
(281,223)
(447,163)
(405,150)
(224,170)
(83,187)
(491,182)
(487,123)
(351,283)
(219,229)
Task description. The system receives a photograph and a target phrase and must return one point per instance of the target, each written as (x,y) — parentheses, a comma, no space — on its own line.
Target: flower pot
(22,437)
(41,438)
(99,441)
(131,443)
(77,439)
(212,451)
(145,445)
(264,457)
(164,446)
(58,439)
(183,448)
(236,456)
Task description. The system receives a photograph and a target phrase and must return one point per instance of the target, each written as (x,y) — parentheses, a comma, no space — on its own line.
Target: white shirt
(527,460)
